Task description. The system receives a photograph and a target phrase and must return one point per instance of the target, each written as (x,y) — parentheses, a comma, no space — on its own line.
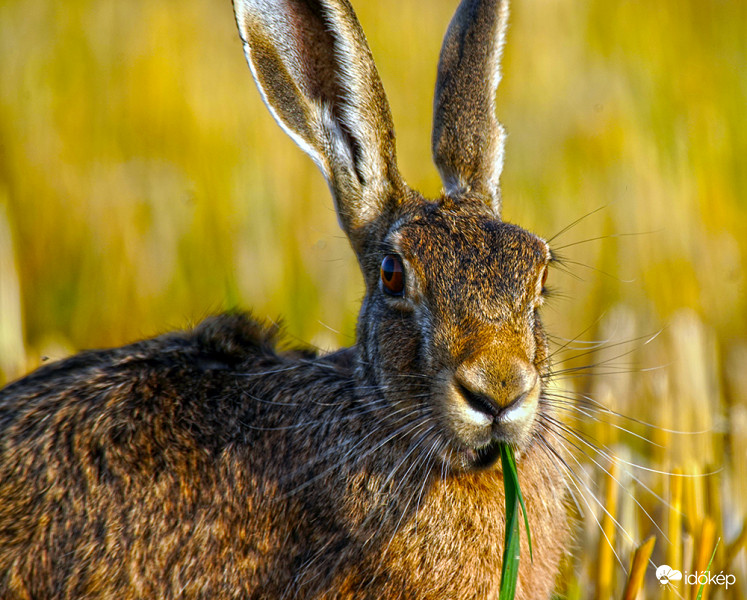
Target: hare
(209,464)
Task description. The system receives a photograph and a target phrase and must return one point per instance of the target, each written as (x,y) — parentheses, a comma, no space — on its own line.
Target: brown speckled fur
(207,464)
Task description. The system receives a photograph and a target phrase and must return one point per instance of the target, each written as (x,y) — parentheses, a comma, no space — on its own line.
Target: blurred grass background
(143,186)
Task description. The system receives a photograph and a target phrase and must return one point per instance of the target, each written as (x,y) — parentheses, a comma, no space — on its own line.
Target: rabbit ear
(467,140)
(316,74)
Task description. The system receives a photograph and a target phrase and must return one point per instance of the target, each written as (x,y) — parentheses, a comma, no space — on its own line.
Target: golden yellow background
(143,185)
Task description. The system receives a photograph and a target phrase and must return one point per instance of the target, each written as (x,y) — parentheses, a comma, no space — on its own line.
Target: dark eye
(392,275)
(544,278)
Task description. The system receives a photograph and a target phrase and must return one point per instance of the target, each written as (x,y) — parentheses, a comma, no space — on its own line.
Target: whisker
(605,237)
(596,322)
(345,458)
(554,455)
(404,510)
(435,450)
(611,458)
(573,478)
(605,452)
(648,339)
(576,222)
(596,405)
(571,408)
(567,261)
(560,265)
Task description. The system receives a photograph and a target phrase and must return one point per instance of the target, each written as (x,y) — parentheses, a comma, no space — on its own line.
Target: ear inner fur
(312,64)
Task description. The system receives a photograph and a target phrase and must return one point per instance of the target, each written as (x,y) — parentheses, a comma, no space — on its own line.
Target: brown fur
(174,465)
(207,464)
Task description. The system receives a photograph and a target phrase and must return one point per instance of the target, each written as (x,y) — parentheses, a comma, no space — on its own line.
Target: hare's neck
(344,358)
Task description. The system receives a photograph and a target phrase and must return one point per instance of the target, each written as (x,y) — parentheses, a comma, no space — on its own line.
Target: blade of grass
(606,548)
(674,528)
(509,467)
(511,546)
(638,569)
(708,568)
(705,542)
(511,550)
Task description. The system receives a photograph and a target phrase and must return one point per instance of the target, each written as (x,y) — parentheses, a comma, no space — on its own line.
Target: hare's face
(453,314)
(449,324)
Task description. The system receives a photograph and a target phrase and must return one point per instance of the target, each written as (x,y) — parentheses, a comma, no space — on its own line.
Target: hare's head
(449,324)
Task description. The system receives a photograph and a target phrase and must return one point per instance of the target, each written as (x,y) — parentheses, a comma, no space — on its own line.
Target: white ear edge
(494,181)
(328,131)
(317,157)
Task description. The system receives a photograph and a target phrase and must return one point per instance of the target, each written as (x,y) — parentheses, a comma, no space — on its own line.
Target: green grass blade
(511,547)
(708,569)
(510,472)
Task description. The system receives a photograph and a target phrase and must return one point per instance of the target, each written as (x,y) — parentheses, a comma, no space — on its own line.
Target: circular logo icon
(665,574)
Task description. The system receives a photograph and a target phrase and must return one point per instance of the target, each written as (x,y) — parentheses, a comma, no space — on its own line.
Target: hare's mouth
(484,457)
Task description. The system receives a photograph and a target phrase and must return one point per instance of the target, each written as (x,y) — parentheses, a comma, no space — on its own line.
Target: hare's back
(125,391)
(118,457)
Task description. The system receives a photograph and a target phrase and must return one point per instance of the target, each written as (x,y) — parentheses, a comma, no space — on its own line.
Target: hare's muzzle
(486,408)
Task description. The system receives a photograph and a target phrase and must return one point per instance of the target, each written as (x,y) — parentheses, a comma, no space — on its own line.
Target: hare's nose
(500,398)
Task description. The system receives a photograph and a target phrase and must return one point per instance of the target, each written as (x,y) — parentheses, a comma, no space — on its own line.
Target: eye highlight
(392,275)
